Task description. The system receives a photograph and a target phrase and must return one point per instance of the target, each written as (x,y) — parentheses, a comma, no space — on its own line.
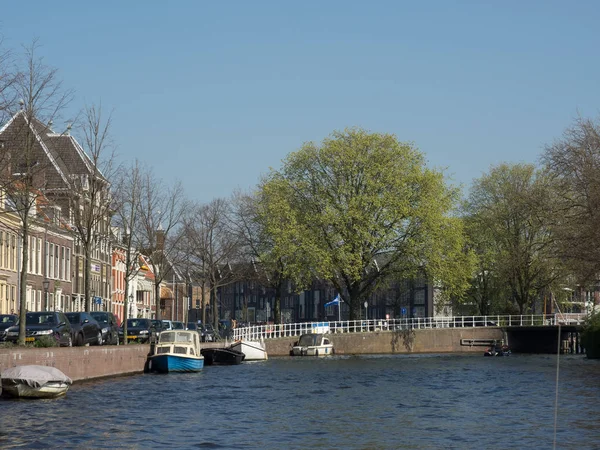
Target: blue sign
(403,311)
(98,300)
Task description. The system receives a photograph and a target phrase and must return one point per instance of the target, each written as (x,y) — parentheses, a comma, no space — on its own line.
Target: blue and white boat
(177,351)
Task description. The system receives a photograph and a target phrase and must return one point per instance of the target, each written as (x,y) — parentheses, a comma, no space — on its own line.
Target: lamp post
(93,299)
(46,284)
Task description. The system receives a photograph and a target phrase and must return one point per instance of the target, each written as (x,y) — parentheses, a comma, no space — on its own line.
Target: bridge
(534,333)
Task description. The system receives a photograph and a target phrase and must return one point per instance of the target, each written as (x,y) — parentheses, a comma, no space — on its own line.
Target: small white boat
(34,382)
(254,350)
(312,344)
(177,351)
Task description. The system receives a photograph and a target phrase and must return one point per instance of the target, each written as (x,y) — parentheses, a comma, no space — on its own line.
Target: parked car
(191,326)
(110,326)
(158,327)
(178,325)
(139,330)
(207,333)
(167,325)
(44,324)
(86,329)
(7,321)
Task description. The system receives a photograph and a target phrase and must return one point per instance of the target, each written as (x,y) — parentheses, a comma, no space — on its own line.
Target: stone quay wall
(80,363)
(86,363)
(447,340)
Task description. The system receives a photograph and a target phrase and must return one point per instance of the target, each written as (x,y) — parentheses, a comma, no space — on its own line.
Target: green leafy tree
(508,215)
(487,293)
(362,208)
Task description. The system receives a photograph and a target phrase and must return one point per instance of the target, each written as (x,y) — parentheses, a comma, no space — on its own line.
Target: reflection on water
(366,402)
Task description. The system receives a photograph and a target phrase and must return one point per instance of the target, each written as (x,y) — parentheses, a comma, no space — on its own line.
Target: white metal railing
(257,332)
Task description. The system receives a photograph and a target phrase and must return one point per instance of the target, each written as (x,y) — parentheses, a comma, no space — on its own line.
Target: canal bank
(80,363)
(85,363)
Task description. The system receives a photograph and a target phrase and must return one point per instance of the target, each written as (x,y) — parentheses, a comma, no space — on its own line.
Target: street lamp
(46,284)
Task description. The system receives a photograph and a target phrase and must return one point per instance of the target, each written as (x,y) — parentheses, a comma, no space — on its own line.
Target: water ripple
(371,402)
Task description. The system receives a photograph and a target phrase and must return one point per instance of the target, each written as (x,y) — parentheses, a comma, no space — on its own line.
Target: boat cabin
(312,344)
(178,342)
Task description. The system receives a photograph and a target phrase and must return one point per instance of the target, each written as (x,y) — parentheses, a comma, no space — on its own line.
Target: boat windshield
(175,336)
(307,340)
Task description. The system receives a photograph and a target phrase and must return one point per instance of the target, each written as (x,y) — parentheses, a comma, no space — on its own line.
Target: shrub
(590,338)
(45,341)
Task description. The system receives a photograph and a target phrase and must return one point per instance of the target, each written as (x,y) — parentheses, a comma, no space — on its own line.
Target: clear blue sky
(215,93)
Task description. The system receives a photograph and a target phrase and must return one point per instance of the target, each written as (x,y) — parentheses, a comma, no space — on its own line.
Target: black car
(86,330)
(7,321)
(110,326)
(139,330)
(158,326)
(207,333)
(178,325)
(44,324)
(192,326)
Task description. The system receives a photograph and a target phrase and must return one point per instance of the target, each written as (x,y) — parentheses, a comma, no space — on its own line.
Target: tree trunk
(87,276)
(215,309)
(125,308)
(203,303)
(354,300)
(277,304)
(23,280)
(157,300)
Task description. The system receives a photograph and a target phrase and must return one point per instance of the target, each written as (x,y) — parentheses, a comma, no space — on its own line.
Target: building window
(13,252)
(39,256)
(51,261)
(68,265)
(62,264)
(57,261)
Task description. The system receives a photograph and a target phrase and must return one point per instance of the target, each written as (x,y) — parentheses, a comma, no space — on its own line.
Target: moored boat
(254,350)
(312,344)
(177,351)
(497,350)
(34,381)
(222,356)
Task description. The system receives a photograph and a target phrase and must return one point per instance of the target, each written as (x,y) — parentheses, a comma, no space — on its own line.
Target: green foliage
(593,322)
(590,337)
(45,341)
(507,217)
(360,209)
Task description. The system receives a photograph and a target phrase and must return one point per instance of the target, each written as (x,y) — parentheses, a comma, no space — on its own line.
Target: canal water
(359,402)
